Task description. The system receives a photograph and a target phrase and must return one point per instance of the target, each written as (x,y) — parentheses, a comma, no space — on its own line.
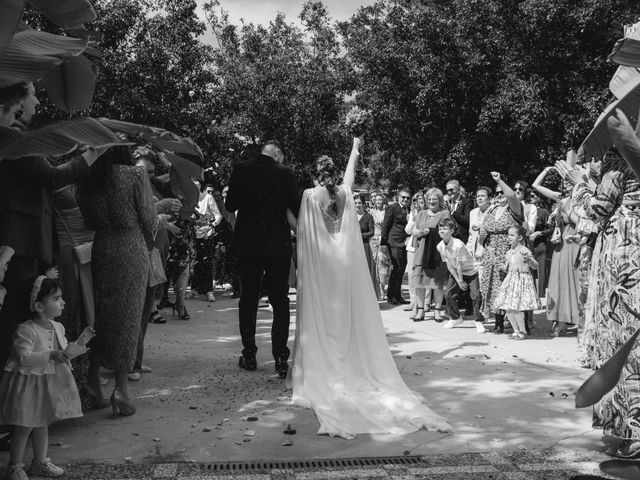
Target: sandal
(419,315)
(157,318)
(627,449)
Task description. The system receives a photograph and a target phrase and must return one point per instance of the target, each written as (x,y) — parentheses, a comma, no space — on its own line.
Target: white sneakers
(453,323)
(45,469)
(480,328)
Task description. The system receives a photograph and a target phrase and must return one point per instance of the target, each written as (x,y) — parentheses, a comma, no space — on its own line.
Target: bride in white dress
(342,367)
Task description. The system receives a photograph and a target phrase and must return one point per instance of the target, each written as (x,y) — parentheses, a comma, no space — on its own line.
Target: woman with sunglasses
(506,213)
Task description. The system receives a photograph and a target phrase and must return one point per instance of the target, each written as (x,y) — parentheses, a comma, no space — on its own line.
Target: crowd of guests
(88,252)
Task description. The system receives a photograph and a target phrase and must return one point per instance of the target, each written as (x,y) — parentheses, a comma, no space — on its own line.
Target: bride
(342,367)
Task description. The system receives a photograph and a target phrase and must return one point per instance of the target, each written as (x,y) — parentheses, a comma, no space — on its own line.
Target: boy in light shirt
(464,275)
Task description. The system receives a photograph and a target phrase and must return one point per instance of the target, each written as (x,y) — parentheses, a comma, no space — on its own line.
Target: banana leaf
(599,141)
(624,80)
(66,13)
(56,140)
(626,52)
(182,174)
(9,21)
(606,377)
(32,54)
(71,85)
(158,137)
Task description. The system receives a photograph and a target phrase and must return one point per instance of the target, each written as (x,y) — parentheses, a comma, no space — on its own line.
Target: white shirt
(455,254)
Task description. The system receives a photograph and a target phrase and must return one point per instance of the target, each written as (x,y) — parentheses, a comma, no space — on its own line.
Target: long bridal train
(343,368)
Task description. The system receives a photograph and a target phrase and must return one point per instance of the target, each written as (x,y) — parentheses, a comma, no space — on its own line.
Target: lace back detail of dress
(331,220)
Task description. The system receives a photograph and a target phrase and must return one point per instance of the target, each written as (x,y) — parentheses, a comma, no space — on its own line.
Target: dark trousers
(149,306)
(276,269)
(398,266)
(453,292)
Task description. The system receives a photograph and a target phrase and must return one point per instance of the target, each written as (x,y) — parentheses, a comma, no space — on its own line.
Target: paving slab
(504,399)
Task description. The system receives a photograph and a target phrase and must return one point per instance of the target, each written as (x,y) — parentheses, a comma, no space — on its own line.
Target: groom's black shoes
(248,363)
(282,367)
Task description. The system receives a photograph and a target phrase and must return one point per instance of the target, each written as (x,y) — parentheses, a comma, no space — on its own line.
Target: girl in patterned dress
(518,292)
(37,387)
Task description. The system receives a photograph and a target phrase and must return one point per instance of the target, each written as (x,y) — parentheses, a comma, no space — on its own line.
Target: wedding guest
(463,275)
(392,241)
(460,208)
(476,217)
(564,279)
(517,293)
(6,252)
(538,239)
(367,229)
(231,261)
(382,260)
(26,208)
(417,204)
(116,202)
(494,231)
(429,272)
(529,210)
(210,218)
(182,258)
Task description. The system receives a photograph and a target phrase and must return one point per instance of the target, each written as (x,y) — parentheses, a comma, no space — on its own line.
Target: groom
(261,190)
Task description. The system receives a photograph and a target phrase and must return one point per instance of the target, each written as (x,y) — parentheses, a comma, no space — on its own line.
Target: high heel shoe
(182,315)
(98,402)
(419,316)
(121,406)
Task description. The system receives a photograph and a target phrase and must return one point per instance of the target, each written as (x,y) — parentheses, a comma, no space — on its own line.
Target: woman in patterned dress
(382,261)
(116,202)
(615,284)
(506,213)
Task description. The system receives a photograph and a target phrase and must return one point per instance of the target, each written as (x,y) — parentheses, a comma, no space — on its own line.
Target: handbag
(556,237)
(157,274)
(83,251)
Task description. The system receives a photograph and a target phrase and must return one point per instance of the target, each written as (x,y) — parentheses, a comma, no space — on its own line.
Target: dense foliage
(457,87)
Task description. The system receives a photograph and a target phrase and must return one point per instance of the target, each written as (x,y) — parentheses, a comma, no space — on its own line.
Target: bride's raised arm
(350,171)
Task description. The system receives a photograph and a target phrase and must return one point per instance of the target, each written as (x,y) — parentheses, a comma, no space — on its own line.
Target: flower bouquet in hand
(359,121)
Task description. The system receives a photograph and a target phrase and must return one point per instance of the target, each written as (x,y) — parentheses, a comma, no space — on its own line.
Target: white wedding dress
(342,367)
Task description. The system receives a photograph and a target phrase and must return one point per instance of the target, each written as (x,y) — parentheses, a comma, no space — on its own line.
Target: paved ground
(510,404)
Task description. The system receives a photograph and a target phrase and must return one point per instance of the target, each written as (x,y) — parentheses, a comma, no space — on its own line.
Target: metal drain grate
(298,464)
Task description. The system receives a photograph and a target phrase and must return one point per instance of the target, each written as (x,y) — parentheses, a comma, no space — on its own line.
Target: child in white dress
(518,292)
(37,387)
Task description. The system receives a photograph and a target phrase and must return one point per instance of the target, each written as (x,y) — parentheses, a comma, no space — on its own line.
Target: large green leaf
(161,139)
(66,13)
(56,140)
(599,141)
(71,84)
(606,377)
(626,52)
(32,54)
(9,20)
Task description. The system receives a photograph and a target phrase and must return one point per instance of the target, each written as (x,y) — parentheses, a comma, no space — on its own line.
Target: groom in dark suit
(261,190)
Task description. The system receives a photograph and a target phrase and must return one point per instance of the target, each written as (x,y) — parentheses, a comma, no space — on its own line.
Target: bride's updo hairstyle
(325,167)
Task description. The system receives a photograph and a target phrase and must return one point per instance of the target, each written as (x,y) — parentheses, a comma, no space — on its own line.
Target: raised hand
(495,176)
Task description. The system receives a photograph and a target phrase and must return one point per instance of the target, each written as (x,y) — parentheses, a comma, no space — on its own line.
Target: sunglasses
(499,192)
(404,197)
(451,190)
(519,189)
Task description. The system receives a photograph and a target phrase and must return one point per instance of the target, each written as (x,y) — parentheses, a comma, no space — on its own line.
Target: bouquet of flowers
(359,121)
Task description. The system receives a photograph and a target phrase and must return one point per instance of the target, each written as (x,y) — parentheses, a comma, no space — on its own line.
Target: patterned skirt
(518,292)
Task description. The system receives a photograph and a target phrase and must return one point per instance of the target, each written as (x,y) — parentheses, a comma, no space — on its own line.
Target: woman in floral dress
(505,214)
(614,282)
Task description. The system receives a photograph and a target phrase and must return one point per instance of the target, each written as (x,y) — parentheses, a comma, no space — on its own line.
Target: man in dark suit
(260,191)
(460,208)
(393,239)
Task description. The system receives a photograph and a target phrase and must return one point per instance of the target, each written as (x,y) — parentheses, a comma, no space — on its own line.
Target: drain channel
(298,464)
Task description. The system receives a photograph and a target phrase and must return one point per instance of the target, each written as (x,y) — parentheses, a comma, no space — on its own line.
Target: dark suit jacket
(367,227)
(393,225)
(261,190)
(26,202)
(461,216)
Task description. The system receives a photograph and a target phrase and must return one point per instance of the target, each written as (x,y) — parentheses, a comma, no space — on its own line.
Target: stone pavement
(510,404)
